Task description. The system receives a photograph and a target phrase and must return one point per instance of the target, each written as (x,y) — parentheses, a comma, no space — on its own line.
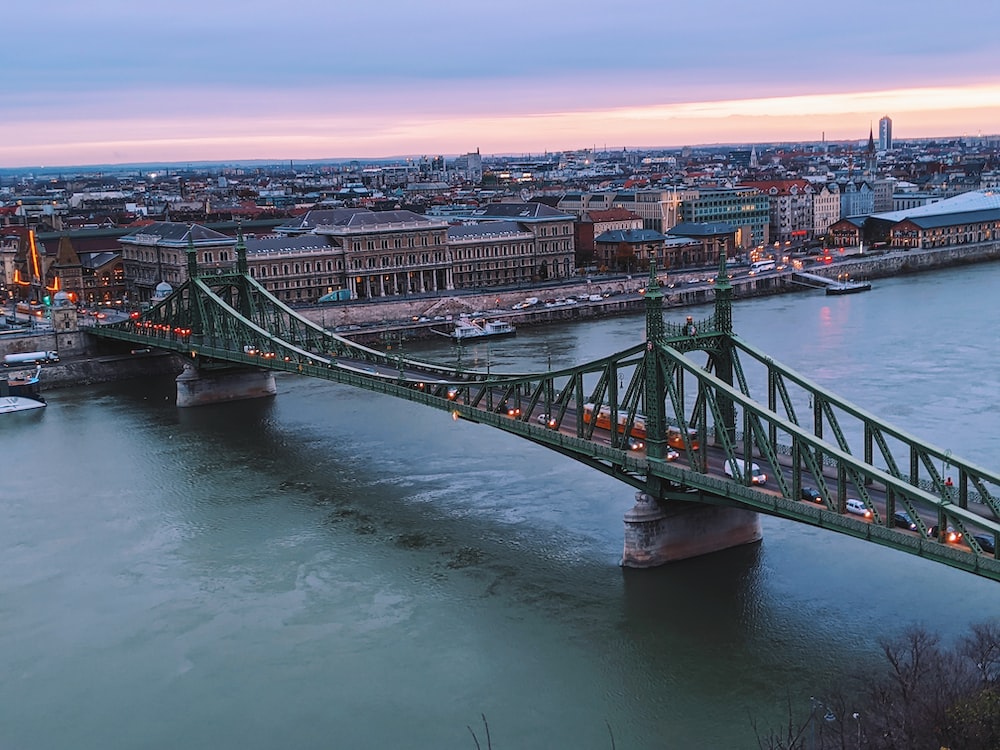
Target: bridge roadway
(714,457)
(446,387)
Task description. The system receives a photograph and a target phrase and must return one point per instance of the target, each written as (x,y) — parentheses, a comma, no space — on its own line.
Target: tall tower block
(885,134)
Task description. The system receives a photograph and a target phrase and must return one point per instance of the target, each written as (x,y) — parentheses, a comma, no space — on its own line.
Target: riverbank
(388,321)
(376,322)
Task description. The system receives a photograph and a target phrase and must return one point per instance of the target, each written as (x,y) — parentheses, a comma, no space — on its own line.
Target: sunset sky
(110,81)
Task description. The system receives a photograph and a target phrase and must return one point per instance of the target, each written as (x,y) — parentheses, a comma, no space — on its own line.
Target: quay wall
(90,370)
(684,292)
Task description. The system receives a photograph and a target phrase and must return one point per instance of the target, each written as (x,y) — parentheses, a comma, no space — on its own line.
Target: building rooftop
(975,200)
(702,229)
(630,236)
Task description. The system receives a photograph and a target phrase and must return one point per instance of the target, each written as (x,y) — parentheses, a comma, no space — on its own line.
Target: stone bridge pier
(201,387)
(658,533)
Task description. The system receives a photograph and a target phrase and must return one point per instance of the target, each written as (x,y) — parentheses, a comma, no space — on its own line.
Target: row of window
(388,261)
(397,243)
(295,268)
(484,252)
(545,231)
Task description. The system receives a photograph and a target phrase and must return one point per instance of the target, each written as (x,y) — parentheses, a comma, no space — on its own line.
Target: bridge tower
(655,387)
(661,527)
(200,384)
(724,353)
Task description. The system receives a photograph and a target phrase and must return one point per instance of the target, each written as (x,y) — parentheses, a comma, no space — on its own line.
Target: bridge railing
(831,463)
(780,506)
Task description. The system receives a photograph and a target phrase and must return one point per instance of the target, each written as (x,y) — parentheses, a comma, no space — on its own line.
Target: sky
(112,82)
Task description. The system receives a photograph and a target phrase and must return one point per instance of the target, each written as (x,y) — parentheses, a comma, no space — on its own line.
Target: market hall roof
(973,201)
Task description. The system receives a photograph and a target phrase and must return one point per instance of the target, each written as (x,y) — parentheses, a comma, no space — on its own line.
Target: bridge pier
(656,534)
(199,388)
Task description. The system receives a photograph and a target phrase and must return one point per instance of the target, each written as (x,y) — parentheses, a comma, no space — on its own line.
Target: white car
(547,420)
(858,508)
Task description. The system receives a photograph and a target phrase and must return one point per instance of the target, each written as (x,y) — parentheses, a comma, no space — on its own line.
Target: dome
(61,299)
(163,289)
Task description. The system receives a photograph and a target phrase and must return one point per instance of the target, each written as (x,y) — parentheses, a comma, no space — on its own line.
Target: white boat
(20,392)
(466,328)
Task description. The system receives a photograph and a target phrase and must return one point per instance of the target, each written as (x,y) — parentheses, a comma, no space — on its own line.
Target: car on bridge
(547,420)
(811,494)
(902,519)
(950,534)
(635,444)
(737,471)
(986,541)
(858,508)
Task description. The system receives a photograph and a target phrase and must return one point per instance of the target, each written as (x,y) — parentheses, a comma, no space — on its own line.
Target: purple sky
(111,81)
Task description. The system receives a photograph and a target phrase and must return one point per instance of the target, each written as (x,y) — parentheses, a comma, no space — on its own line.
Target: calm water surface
(333,568)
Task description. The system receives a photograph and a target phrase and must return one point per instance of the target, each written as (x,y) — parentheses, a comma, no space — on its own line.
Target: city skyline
(116,83)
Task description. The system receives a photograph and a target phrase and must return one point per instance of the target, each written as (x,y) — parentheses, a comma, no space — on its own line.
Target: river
(335,568)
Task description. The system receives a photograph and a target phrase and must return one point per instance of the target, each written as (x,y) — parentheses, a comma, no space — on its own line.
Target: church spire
(870,154)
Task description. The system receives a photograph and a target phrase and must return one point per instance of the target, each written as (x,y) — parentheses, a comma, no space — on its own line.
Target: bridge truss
(694,392)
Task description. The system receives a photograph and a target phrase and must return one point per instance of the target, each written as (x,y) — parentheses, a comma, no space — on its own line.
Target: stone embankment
(377,321)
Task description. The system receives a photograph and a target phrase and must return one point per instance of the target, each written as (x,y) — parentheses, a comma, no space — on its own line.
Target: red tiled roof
(783,187)
(612,214)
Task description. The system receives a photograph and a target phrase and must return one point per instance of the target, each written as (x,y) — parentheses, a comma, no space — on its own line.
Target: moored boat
(849,287)
(466,328)
(20,392)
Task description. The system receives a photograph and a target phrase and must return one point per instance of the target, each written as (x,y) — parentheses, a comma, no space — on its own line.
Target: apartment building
(745,208)
(790,208)
(594,223)
(826,207)
(659,208)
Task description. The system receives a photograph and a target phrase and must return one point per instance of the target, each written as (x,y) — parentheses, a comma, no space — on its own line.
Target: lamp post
(827,717)
(857,719)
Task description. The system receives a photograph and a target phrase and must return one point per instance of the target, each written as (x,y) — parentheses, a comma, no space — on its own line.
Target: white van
(756,475)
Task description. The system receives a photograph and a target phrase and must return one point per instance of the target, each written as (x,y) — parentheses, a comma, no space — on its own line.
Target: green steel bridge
(693,393)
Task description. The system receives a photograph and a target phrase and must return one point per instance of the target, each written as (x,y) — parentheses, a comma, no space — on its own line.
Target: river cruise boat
(466,329)
(20,392)
(849,287)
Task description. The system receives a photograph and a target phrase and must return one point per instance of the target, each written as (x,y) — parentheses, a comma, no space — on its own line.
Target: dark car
(812,494)
(903,520)
(635,444)
(986,541)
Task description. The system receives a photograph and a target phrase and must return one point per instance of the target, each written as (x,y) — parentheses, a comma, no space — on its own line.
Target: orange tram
(674,437)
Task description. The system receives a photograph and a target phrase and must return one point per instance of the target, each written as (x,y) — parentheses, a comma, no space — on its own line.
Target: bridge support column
(656,534)
(196,388)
